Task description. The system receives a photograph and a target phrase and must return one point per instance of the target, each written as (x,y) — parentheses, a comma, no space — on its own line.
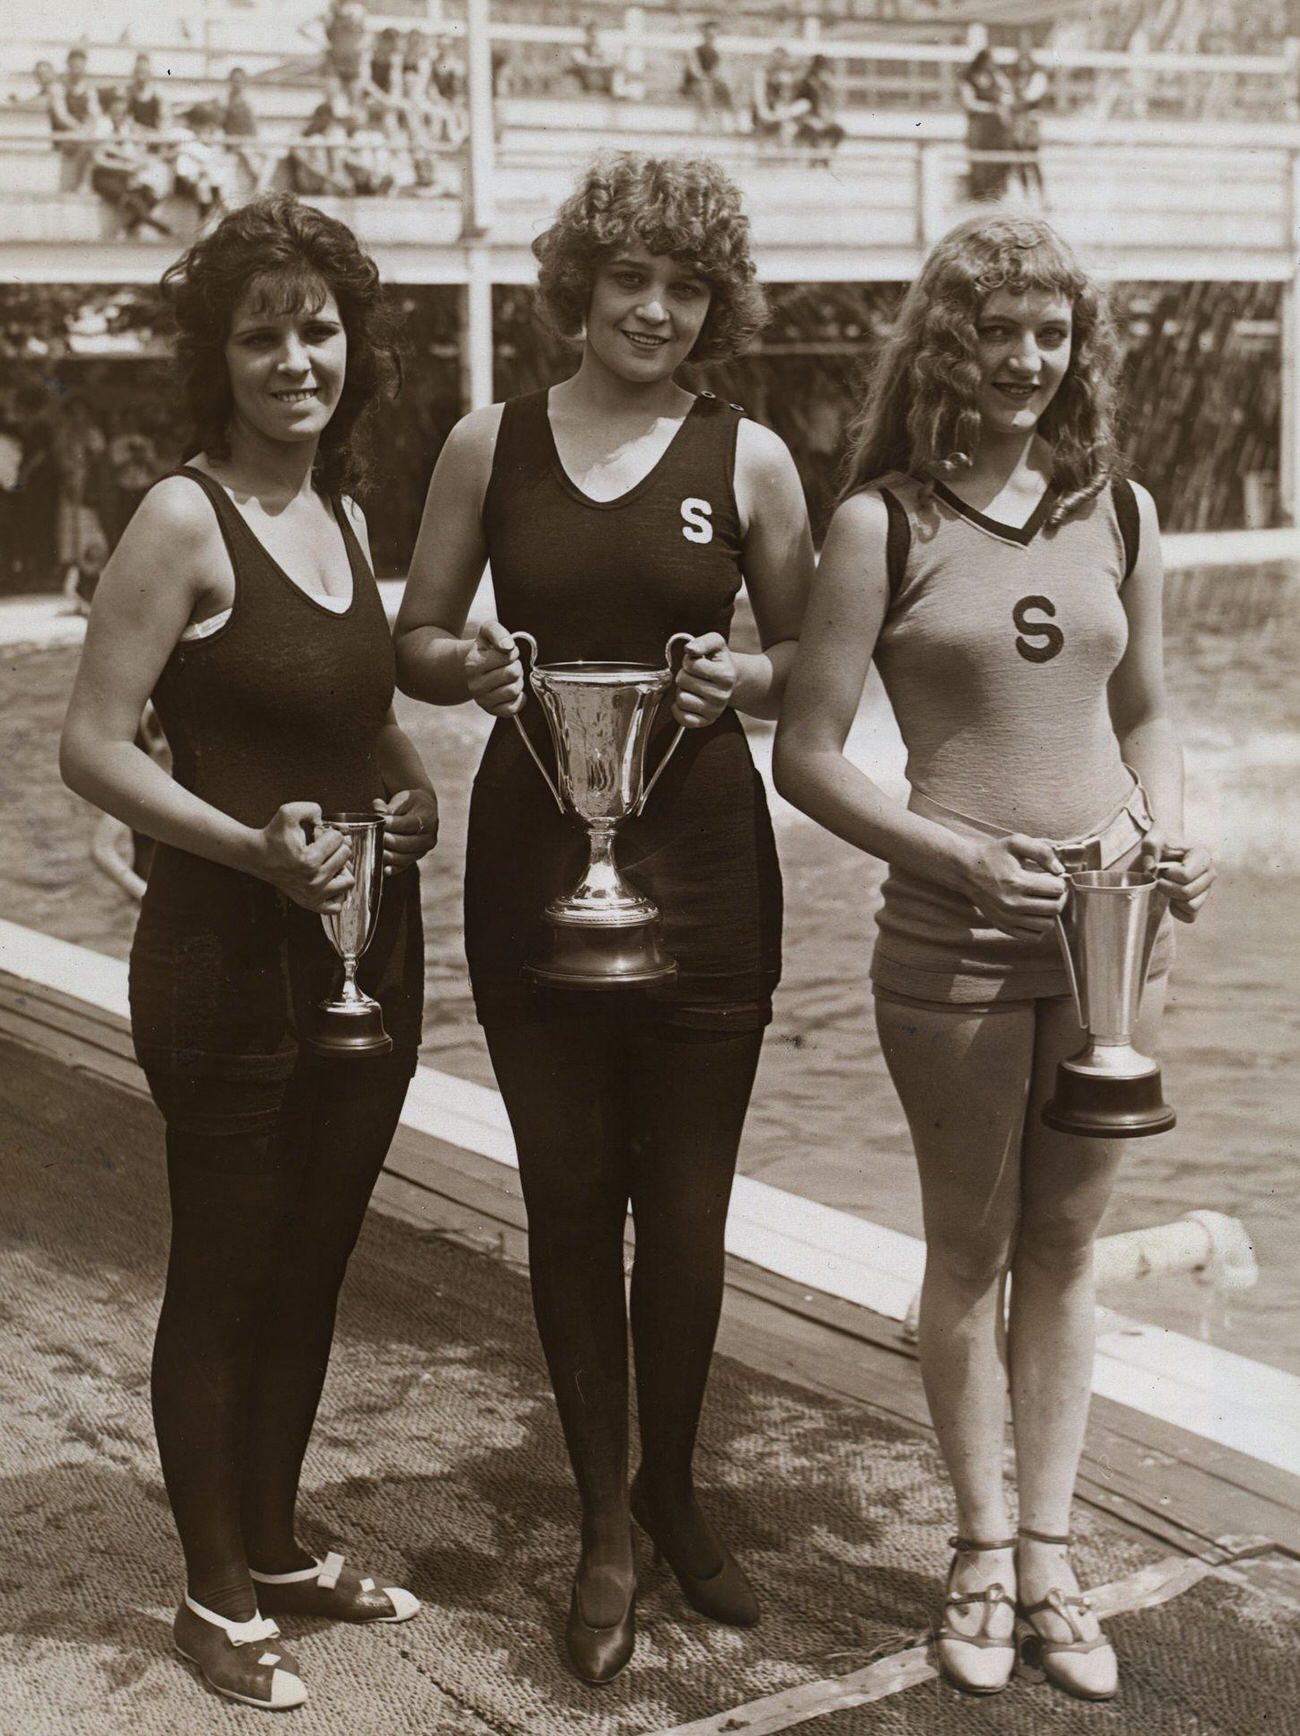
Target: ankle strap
(969,1546)
(1045,1536)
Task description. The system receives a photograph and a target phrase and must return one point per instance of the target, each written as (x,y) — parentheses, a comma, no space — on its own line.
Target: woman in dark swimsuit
(241,600)
(616,509)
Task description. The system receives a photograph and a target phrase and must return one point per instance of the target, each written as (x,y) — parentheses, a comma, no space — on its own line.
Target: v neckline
(629,494)
(345,534)
(1023,534)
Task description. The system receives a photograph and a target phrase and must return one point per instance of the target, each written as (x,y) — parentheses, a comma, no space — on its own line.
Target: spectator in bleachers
(79,96)
(591,68)
(346,32)
(319,169)
(201,164)
(417,56)
(366,160)
(145,102)
(49,90)
(79,104)
(772,102)
(448,73)
(1027,91)
(386,62)
(239,125)
(126,174)
(424,120)
(703,83)
(813,107)
(985,96)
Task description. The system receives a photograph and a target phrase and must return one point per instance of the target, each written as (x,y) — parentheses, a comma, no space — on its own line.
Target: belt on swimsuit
(1130,821)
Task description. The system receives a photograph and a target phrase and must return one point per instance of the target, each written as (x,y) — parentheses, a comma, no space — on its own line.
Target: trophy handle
(1064,941)
(669,648)
(527,639)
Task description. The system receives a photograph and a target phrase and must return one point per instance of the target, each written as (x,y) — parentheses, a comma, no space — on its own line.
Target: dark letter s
(1036,630)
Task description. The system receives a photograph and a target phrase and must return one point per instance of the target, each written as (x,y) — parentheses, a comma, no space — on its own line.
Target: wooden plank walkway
(1146,1475)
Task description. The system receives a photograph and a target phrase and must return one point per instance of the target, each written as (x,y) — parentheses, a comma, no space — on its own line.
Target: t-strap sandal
(333,1590)
(240,1659)
(979,1662)
(1086,1668)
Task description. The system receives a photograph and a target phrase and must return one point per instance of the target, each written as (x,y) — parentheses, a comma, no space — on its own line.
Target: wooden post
(1288,489)
(479,193)
(476,349)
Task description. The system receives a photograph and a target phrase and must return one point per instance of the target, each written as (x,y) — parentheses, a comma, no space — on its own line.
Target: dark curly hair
(288,256)
(920,404)
(686,208)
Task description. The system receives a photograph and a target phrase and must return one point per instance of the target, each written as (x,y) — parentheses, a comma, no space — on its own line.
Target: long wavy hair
(920,408)
(687,208)
(287,256)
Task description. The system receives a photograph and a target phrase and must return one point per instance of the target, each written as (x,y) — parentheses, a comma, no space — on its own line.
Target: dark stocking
(561,1087)
(238,1365)
(356,1114)
(687,1103)
(607,1110)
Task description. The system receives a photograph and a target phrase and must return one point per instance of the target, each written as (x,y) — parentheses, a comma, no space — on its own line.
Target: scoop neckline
(637,488)
(340,518)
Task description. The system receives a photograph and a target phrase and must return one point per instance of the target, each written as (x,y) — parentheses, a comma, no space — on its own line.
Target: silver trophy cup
(1107,931)
(352,1023)
(602,934)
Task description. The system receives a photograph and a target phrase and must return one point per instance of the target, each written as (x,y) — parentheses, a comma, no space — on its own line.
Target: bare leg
(963,1080)
(1067,1183)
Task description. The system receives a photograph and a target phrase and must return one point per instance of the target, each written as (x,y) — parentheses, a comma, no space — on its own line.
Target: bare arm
(777,560)
(448,562)
(1015,881)
(1148,737)
(164,563)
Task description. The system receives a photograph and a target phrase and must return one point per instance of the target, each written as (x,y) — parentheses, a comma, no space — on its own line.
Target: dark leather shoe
(725,1596)
(599,1653)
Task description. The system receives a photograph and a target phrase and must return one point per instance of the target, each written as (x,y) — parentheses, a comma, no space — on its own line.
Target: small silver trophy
(1107,931)
(603,934)
(352,1023)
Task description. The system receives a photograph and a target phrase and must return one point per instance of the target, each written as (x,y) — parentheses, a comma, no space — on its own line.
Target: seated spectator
(365,159)
(813,108)
(591,68)
(773,101)
(417,56)
(144,101)
(239,123)
(448,73)
(387,61)
(320,170)
(200,163)
(126,174)
(79,97)
(78,105)
(346,28)
(703,83)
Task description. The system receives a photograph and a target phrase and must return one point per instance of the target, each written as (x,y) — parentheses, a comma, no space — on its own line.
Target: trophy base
(601,956)
(1100,1105)
(345,1029)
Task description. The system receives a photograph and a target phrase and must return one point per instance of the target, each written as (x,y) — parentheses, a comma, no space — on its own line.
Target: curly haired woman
(1008,584)
(618,508)
(242,601)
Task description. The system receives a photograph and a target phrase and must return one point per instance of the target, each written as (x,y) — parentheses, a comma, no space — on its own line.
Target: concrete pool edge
(1248,1407)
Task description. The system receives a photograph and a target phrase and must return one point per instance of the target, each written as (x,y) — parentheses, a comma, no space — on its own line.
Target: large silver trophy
(602,934)
(1107,931)
(352,1023)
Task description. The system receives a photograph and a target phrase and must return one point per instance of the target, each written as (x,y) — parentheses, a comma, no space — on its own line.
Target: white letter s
(697,526)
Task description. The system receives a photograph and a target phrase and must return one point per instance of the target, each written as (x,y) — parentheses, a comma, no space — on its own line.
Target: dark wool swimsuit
(614,580)
(284,702)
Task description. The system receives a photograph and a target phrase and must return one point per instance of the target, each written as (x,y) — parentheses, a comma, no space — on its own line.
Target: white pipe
(1213,1247)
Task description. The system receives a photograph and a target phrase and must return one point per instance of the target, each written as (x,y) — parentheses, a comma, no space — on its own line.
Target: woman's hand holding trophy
(306,860)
